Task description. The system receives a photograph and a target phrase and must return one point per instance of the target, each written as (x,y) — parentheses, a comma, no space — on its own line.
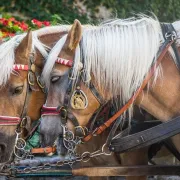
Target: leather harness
(32,74)
(120,143)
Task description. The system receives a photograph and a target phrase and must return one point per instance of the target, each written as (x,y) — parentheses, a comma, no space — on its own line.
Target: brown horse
(115,56)
(21,91)
(95,49)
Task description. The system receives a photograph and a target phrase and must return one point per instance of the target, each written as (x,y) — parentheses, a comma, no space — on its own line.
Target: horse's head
(64,93)
(13,94)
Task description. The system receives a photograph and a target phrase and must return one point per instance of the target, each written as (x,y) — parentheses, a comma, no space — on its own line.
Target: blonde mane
(118,53)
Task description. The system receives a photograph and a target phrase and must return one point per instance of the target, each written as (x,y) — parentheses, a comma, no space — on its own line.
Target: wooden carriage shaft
(108,171)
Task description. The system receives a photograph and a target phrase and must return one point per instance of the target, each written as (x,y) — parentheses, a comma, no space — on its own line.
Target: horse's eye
(18,90)
(55,79)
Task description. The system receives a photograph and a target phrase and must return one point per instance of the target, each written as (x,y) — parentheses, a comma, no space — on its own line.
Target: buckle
(31,78)
(171,35)
(82,130)
(63,112)
(23,122)
(40,82)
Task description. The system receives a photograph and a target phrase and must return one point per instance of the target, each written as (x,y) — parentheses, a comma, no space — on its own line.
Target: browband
(64,62)
(20,67)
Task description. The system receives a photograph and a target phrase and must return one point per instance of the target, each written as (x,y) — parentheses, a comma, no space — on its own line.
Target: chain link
(70,142)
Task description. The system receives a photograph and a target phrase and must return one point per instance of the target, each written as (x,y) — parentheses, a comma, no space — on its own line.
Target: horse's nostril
(2,149)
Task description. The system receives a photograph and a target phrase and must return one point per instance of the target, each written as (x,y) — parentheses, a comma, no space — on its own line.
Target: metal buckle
(23,122)
(171,35)
(82,129)
(40,83)
(63,113)
(30,81)
(105,150)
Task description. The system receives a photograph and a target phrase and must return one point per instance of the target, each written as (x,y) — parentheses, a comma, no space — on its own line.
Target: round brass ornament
(79,100)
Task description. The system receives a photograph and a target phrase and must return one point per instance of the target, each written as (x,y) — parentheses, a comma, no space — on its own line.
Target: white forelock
(52,57)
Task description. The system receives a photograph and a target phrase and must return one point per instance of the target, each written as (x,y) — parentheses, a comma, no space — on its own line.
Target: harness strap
(9,120)
(96,93)
(45,150)
(171,147)
(147,137)
(163,49)
(167,29)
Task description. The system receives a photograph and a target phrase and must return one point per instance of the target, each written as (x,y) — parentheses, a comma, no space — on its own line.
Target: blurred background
(53,12)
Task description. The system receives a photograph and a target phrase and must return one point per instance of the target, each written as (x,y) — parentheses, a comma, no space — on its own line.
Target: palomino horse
(109,62)
(22,59)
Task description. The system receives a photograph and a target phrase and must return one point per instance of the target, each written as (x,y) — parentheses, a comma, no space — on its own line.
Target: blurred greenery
(65,11)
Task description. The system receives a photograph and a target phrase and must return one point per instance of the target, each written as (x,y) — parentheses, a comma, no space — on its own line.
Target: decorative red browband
(47,111)
(64,62)
(20,67)
(9,120)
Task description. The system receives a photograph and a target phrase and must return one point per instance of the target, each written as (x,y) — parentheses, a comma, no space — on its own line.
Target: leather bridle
(30,68)
(65,112)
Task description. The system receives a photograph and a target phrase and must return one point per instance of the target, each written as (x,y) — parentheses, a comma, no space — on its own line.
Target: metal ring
(86,156)
(82,128)
(22,125)
(39,82)
(24,144)
(103,150)
(65,111)
(31,83)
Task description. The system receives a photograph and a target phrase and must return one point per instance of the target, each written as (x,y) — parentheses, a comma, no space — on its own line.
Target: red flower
(11,19)
(4,21)
(37,23)
(24,26)
(46,23)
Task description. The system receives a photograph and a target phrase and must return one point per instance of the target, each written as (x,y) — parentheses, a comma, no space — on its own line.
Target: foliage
(165,10)
(67,11)
(44,9)
(10,27)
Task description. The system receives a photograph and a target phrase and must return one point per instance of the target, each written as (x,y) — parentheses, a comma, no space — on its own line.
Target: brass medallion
(79,100)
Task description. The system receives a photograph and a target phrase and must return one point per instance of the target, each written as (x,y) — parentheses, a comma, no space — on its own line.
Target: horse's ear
(24,49)
(74,35)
